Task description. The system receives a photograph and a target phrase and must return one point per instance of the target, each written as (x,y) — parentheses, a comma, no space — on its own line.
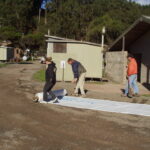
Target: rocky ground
(25,125)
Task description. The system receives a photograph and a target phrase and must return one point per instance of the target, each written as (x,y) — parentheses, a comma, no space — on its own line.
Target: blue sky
(142,2)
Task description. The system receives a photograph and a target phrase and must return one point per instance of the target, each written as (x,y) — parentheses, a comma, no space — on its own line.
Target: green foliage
(16,19)
(17,13)
(75,19)
(9,33)
(114,28)
(39,76)
(83,19)
(33,41)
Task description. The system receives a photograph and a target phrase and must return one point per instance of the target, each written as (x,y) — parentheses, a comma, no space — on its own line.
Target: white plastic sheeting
(58,93)
(104,105)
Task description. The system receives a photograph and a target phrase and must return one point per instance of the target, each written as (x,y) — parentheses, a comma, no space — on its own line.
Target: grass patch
(40,75)
(146,95)
(2,65)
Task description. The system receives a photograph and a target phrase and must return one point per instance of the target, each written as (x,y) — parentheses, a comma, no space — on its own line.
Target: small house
(135,40)
(6,53)
(89,54)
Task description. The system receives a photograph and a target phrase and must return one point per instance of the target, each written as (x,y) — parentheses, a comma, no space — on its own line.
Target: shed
(89,54)
(6,53)
(136,40)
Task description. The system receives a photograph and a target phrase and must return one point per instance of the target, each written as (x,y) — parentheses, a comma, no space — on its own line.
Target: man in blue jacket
(79,76)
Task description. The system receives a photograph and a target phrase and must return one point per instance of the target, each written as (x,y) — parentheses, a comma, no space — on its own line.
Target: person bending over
(79,76)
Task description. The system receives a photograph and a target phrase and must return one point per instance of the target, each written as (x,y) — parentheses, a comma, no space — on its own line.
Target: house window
(60,48)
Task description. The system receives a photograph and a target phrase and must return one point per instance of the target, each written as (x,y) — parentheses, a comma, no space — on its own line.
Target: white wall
(90,56)
(49,48)
(3,53)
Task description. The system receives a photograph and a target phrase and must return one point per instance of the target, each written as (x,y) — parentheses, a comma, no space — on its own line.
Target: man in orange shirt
(132,71)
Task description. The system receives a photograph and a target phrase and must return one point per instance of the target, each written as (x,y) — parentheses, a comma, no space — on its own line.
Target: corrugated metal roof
(56,39)
(136,30)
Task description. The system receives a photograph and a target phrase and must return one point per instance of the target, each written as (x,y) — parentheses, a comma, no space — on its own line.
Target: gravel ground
(25,125)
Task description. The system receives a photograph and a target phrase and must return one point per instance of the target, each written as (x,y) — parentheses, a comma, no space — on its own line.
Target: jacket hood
(52,64)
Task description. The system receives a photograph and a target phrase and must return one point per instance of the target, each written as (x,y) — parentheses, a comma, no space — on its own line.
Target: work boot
(130,96)
(83,96)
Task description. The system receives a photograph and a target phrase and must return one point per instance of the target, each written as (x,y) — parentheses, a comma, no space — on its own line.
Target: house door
(138,58)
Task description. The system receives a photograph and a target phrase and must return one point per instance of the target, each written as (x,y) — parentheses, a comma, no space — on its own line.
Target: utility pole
(39,15)
(103,33)
(46,16)
(123,43)
(48,32)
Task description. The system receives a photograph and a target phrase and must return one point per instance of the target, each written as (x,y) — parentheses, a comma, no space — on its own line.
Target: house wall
(6,53)
(142,46)
(115,68)
(3,52)
(58,58)
(49,48)
(90,56)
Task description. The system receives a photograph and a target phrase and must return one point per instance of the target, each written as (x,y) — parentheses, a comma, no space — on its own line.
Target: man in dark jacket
(79,76)
(50,77)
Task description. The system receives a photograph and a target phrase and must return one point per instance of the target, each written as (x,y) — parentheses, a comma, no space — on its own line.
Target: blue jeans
(132,84)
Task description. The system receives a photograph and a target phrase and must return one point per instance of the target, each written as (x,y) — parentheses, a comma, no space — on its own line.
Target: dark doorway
(148,75)
(138,58)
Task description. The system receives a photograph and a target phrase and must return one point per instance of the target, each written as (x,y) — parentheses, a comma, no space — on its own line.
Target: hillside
(76,19)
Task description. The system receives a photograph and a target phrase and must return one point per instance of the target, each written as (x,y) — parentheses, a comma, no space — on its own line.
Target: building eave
(55,39)
(142,20)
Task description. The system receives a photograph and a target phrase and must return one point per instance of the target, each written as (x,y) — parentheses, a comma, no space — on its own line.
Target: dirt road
(25,125)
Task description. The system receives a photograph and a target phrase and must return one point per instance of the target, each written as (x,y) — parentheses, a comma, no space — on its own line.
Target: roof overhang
(134,32)
(71,41)
(55,39)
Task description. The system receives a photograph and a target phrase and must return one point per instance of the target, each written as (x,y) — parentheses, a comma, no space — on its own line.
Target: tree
(114,28)
(32,41)
(75,19)
(17,13)
(10,33)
